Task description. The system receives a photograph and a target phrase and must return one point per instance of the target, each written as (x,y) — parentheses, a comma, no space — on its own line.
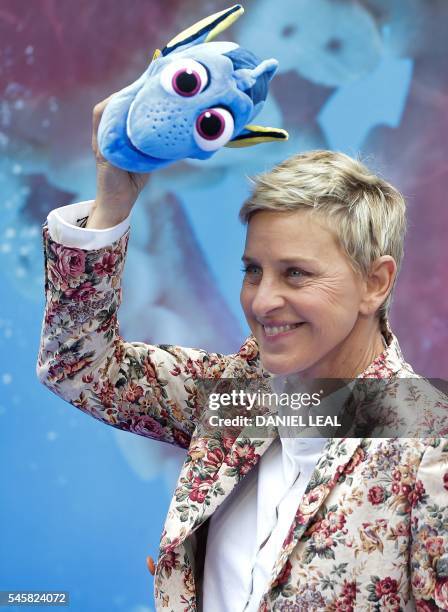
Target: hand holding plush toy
(195,97)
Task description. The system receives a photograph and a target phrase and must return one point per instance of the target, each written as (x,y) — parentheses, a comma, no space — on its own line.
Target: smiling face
(302,299)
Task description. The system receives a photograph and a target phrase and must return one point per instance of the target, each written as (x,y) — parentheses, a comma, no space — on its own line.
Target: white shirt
(247,531)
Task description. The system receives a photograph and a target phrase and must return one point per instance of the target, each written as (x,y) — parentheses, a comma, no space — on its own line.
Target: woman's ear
(378,284)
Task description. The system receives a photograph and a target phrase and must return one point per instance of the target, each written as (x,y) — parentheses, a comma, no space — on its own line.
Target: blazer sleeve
(150,390)
(429,529)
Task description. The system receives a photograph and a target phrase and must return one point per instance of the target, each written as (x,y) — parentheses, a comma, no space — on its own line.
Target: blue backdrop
(82,504)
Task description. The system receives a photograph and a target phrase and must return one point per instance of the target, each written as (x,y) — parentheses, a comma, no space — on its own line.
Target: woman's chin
(280,367)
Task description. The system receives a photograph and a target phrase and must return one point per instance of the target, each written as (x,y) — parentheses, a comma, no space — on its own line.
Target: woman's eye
(213,128)
(251,270)
(296,273)
(185,78)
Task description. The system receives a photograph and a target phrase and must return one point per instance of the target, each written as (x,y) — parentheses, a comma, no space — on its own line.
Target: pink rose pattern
(68,264)
(371,528)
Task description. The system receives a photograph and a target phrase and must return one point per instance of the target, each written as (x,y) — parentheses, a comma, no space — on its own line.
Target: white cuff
(63,227)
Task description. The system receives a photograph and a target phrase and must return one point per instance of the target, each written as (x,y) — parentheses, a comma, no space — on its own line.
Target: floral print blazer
(371,531)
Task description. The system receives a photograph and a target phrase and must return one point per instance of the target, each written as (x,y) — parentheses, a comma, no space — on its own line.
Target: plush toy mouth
(132,146)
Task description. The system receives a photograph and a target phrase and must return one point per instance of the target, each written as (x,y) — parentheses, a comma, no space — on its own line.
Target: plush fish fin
(256,134)
(157,53)
(204,30)
(247,77)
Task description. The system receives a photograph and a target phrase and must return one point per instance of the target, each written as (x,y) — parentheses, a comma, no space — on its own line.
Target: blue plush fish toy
(195,97)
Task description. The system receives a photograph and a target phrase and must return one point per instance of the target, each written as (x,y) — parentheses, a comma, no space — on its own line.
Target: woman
(264,524)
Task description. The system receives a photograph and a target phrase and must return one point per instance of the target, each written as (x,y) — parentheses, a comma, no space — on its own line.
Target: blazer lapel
(200,489)
(243,457)
(336,456)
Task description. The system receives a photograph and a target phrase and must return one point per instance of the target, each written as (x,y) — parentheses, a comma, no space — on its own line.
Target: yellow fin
(206,29)
(156,54)
(257,134)
(225,23)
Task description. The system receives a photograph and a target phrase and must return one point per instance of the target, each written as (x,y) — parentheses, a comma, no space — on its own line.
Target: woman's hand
(117,190)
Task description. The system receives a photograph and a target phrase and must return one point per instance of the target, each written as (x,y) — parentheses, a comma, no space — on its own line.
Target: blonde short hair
(367,213)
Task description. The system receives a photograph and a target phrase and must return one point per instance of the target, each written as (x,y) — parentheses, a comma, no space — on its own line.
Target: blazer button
(151,565)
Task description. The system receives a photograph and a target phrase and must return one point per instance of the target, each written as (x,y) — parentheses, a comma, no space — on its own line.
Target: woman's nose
(266,299)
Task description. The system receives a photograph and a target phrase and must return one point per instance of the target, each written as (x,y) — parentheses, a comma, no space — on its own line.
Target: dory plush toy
(195,97)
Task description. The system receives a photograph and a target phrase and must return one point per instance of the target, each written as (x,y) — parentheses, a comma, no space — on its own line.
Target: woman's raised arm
(149,390)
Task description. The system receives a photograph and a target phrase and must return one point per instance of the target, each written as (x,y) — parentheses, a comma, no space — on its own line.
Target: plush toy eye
(185,77)
(213,129)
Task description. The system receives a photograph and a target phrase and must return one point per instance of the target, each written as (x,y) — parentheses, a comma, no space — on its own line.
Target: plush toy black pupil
(211,125)
(186,82)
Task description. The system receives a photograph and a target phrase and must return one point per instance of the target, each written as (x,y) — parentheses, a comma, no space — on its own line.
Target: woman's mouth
(272,331)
